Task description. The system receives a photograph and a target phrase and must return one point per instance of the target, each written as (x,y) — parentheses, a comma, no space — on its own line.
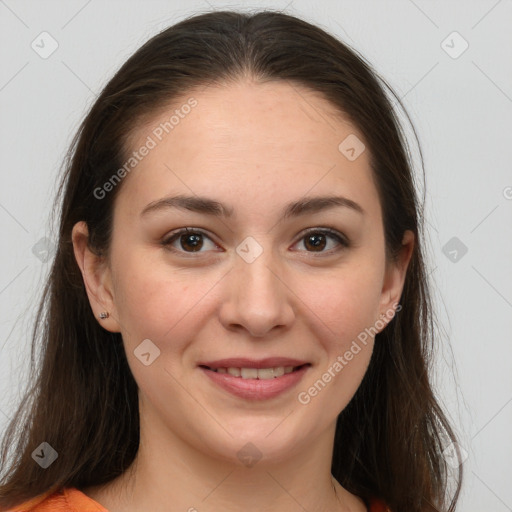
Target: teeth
(256,373)
(234,371)
(249,373)
(264,373)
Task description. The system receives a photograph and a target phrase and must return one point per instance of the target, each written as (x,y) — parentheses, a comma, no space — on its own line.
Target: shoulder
(376,505)
(65,500)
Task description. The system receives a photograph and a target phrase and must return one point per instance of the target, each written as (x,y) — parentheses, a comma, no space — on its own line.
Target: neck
(170,474)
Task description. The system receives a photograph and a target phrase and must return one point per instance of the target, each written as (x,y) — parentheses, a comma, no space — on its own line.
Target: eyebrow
(215,208)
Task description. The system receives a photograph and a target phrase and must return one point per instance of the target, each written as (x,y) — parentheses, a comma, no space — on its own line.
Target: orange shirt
(67,500)
(73,500)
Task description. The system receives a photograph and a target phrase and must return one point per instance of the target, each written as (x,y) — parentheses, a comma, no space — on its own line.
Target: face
(289,288)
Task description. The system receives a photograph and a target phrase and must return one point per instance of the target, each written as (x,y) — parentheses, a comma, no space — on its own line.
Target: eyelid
(340,237)
(174,235)
(343,241)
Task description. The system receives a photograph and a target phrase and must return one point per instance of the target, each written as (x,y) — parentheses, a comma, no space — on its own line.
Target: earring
(104,314)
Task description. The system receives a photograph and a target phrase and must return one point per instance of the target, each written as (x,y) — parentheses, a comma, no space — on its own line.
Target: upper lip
(242,362)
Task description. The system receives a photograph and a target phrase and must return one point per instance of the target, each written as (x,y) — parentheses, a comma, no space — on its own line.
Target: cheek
(348,306)
(350,314)
(348,303)
(152,301)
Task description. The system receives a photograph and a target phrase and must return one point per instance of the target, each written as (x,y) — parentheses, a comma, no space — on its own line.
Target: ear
(394,279)
(97,278)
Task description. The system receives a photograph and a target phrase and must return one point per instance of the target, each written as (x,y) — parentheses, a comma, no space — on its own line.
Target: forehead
(241,139)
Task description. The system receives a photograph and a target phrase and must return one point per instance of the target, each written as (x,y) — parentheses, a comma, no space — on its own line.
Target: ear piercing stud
(104,314)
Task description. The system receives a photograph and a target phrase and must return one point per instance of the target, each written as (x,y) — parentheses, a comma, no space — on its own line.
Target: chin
(270,441)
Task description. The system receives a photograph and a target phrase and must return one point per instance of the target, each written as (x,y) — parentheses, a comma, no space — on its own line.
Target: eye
(316,239)
(190,240)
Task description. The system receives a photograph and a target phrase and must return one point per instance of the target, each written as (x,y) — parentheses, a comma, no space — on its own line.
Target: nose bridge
(254,260)
(259,277)
(259,300)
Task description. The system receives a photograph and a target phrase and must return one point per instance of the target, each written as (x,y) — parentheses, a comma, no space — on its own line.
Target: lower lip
(256,389)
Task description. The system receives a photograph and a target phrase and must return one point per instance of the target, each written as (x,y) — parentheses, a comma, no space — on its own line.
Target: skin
(255,147)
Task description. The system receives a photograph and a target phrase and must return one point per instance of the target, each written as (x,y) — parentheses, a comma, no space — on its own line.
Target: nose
(258,299)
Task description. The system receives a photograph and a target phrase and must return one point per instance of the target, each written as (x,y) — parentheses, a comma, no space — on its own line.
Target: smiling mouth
(257,373)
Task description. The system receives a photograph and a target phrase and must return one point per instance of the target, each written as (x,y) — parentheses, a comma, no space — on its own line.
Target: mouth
(256,373)
(255,380)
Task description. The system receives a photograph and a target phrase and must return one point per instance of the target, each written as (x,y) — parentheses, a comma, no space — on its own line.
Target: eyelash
(339,237)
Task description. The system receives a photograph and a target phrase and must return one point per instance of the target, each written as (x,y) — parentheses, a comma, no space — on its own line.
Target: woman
(238,313)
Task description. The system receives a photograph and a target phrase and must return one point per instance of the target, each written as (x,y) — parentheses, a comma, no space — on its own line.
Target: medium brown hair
(84,402)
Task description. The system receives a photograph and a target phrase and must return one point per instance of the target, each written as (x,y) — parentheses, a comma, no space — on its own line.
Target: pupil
(193,241)
(315,241)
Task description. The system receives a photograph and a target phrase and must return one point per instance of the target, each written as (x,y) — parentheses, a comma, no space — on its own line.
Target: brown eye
(187,241)
(192,241)
(316,240)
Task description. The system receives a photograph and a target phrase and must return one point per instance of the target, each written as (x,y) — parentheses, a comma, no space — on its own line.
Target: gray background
(461,108)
